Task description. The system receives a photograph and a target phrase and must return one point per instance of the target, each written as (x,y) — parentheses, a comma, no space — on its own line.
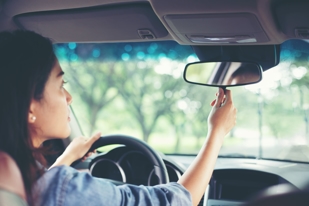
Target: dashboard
(234,180)
(238,185)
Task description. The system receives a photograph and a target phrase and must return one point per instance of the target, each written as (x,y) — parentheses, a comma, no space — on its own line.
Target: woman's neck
(37,142)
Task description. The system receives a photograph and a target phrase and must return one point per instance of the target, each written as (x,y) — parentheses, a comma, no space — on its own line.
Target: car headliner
(270,21)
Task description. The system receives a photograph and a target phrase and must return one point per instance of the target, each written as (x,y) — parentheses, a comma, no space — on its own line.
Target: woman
(34,108)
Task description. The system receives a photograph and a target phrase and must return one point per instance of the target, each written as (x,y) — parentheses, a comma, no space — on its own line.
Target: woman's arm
(221,120)
(77,149)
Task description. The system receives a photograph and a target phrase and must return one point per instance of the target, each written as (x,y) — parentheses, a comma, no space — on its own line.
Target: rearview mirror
(222,74)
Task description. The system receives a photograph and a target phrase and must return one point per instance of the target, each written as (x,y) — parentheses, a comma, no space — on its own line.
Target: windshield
(137,89)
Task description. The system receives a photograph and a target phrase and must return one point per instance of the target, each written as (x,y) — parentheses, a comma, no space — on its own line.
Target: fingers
(213,103)
(228,96)
(90,141)
(219,98)
(88,155)
(222,98)
(94,138)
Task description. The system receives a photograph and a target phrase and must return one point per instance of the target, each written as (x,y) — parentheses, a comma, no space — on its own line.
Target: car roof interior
(260,25)
(267,22)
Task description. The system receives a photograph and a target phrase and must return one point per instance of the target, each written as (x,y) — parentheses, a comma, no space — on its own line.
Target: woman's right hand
(222,117)
(77,149)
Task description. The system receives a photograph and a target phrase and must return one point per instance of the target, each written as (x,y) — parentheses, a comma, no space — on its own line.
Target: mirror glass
(223,73)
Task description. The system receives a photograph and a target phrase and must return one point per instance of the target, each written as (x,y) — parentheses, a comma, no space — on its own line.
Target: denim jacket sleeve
(62,186)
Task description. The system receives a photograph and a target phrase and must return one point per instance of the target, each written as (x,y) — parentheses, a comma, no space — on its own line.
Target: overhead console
(217,28)
(220,22)
(237,22)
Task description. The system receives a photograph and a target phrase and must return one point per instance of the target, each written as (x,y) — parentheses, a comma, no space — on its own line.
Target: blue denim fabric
(64,185)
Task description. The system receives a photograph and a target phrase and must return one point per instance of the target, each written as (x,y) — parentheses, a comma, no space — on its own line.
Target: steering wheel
(160,170)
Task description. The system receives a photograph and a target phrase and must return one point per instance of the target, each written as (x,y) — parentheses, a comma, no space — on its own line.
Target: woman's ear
(31,114)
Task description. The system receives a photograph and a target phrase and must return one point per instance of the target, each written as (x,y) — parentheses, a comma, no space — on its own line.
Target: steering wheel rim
(159,167)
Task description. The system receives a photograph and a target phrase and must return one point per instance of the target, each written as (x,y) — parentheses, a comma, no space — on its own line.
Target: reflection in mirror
(223,73)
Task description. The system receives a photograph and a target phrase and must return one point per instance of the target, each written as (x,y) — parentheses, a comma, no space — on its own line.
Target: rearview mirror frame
(258,69)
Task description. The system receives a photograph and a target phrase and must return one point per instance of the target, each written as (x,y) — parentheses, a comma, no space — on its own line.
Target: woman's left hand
(77,149)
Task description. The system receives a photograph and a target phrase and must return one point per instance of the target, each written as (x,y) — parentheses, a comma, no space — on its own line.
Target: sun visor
(217,28)
(293,19)
(106,23)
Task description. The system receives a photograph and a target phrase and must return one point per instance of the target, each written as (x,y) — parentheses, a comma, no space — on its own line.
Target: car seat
(12,190)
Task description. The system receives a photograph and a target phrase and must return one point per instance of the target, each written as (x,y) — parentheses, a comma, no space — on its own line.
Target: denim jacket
(63,185)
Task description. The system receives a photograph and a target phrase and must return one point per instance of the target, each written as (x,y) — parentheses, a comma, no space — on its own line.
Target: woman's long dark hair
(26,60)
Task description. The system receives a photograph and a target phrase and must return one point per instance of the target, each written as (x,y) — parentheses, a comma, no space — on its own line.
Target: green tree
(148,95)
(90,82)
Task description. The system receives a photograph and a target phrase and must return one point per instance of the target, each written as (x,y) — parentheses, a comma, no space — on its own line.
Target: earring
(33,118)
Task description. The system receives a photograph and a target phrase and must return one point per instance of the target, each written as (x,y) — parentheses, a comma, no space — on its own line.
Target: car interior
(233,44)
